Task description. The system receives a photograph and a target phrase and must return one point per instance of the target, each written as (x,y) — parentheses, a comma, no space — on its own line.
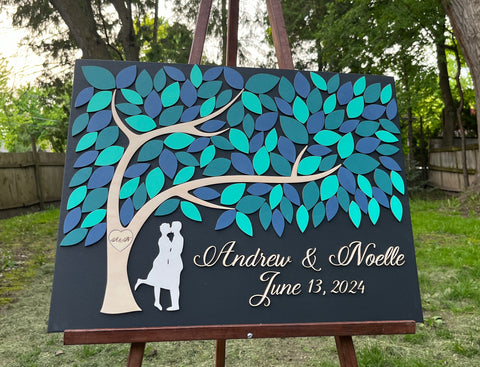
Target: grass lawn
(448,257)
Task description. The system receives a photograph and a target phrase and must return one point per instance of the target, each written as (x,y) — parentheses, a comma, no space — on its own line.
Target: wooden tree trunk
(465,19)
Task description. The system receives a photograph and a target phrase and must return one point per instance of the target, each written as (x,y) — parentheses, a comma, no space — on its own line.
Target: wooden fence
(446,169)
(29,180)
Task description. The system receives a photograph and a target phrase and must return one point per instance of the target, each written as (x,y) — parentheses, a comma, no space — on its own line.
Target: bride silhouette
(167,266)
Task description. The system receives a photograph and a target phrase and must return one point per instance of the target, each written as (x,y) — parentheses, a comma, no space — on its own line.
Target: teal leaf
(250,204)
(223,98)
(302,218)
(280,164)
(386,94)
(372,93)
(107,137)
(167,207)
(178,141)
(330,104)
(217,167)
(74,237)
(328,162)
(94,218)
(343,199)
(209,89)
(129,187)
(160,80)
(170,94)
(99,77)
(140,197)
(355,214)
(252,102)
(239,140)
(271,140)
(170,116)
(244,223)
(265,215)
(314,101)
(196,76)
(309,165)
(80,176)
(248,125)
(150,150)
(359,86)
(294,130)
(397,182)
(310,194)
(154,182)
(261,161)
(286,90)
(387,149)
(235,114)
(144,83)
(141,123)
(222,143)
(367,128)
(86,141)
(355,107)
(207,155)
(365,185)
(345,146)
(80,124)
(232,194)
(76,197)
(99,101)
(300,110)
(373,211)
(129,109)
(396,207)
(334,119)
(184,175)
(190,211)
(326,137)
(318,214)
(275,196)
(268,102)
(109,156)
(382,179)
(261,83)
(132,96)
(95,199)
(333,84)
(329,187)
(286,208)
(319,82)
(389,126)
(207,107)
(360,163)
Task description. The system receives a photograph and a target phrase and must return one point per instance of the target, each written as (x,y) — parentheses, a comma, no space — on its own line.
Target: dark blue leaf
(86,159)
(168,163)
(126,212)
(392,109)
(84,96)
(174,73)
(256,142)
(278,222)
(318,150)
(373,112)
(190,114)
(362,200)
(331,208)
(367,145)
(284,106)
(99,120)
(188,94)
(153,104)
(101,177)
(266,121)
(233,78)
(390,163)
(259,189)
(206,193)
(95,234)
(316,122)
(242,163)
(198,145)
(212,73)
(301,84)
(348,126)
(287,149)
(225,219)
(126,77)
(136,170)
(347,180)
(72,219)
(381,197)
(212,126)
(291,194)
(345,93)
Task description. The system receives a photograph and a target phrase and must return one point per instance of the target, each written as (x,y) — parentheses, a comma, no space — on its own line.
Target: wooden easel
(342,331)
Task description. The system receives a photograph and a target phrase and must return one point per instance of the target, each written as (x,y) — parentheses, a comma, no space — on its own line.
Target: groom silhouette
(167,266)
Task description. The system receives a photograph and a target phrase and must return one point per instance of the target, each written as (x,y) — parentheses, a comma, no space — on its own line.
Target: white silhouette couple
(167,266)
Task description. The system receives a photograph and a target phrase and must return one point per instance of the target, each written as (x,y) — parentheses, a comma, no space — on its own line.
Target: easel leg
(220,353)
(346,351)
(135,357)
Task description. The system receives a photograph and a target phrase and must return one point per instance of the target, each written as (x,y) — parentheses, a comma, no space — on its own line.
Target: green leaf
(196,76)
(190,211)
(109,156)
(261,83)
(154,182)
(178,141)
(76,197)
(314,101)
(141,123)
(232,193)
(94,218)
(302,218)
(367,128)
(329,187)
(184,175)
(107,137)
(333,83)
(99,101)
(252,102)
(99,77)
(300,110)
(244,223)
(170,94)
(261,161)
(80,176)
(132,96)
(129,187)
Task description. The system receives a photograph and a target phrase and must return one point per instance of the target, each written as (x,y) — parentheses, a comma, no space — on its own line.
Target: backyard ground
(447,241)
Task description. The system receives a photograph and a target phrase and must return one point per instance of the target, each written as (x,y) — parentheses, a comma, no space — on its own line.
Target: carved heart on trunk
(120,239)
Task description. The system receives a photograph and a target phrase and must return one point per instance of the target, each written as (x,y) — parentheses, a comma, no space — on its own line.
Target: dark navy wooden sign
(206,195)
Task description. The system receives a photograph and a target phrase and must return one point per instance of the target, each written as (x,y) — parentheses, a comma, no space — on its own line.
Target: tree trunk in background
(465,19)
